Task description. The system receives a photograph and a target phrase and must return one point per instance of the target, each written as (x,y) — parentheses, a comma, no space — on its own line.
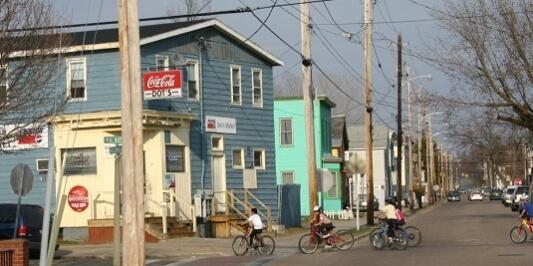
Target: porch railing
(232,204)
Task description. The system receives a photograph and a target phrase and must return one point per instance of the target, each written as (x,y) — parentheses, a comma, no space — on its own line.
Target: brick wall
(21,255)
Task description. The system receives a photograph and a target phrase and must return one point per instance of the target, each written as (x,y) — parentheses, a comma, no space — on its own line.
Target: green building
(291,150)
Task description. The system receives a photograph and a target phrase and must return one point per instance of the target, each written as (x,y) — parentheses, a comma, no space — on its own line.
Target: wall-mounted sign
(29,137)
(162,84)
(220,125)
(249,178)
(78,198)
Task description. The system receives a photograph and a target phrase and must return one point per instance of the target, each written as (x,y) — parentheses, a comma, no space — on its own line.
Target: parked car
(363,203)
(519,192)
(454,196)
(475,195)
(495,194)
(508,196)
(29,226)
(504,191)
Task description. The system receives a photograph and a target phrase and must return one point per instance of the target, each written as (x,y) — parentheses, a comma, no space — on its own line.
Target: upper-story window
(3,84)
(285,128)
(192,80)
(162,62)
(257,87)
(236,97)
(259,159)
(77,79)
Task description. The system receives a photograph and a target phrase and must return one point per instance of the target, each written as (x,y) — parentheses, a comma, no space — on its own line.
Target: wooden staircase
(175,228)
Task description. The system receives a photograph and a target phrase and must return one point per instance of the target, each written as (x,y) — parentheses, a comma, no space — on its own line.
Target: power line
(266,19)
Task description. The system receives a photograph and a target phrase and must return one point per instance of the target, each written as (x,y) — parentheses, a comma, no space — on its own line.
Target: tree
(191,7)
(28,67)
(488,55)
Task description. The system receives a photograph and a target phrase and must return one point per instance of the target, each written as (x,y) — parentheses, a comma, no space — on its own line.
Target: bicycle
(379,239)
(518,233)
(412,233)
(263,243)
(309,243)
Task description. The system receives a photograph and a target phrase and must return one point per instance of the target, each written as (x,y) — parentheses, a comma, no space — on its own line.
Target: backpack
(400,216)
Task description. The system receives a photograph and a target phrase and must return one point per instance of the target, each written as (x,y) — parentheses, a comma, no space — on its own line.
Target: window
(80,161)
(238,158)
(286,131)
(161,62)
(332,192)
(42,166)
(3,84)
(217,143)
(259,159)
(257,87)
(76,79)
(175,158)
(287,178)
(192,79)
(236,85)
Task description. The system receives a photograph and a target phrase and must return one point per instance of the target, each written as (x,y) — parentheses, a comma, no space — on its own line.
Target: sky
(331,50)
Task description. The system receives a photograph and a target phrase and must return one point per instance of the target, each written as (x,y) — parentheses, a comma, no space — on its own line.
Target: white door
(219,181)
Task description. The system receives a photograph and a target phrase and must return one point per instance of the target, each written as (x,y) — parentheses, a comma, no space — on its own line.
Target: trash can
(204,227)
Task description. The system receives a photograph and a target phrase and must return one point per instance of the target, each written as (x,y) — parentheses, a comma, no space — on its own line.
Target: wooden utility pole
(132,135)
(431,165)
(410,137)
(420,130)
(399,136)
(369,12)
(308,102)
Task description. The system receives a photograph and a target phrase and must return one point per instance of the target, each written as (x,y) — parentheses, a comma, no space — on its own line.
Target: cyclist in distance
(322,221)
(390,213)
(257,225)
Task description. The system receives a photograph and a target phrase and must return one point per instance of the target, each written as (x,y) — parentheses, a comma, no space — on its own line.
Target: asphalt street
(459,233)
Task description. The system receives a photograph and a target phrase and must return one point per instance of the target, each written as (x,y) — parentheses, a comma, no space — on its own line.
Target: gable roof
(102,39)
(356,136)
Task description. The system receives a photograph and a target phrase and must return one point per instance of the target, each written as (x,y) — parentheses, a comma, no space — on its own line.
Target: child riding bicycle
(257,225)
(323,223)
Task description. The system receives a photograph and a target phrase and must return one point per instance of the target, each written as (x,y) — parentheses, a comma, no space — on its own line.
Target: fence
(290,208)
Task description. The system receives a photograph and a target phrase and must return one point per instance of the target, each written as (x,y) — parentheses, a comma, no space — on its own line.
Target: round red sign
(78,198)
(517,181)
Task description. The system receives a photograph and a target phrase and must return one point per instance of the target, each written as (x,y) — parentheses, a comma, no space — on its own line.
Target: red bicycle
(519,233)
(262,243)
(310,242)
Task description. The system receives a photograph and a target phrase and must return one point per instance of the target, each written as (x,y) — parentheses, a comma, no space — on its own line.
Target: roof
(108,38)
(338,124)
(321,98)
(356,136)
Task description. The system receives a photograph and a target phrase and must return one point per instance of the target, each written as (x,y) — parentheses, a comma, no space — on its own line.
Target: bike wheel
(344,240)
(267,245)
(377,240)
(240,245)
(308,244)
(400,241)
(374,231)
(414,236)
(518,234)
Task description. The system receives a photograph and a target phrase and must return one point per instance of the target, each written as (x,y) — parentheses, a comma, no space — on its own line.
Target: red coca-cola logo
(161,80)
(78,198)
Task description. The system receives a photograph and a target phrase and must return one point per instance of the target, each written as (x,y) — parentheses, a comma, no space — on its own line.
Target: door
(219,181)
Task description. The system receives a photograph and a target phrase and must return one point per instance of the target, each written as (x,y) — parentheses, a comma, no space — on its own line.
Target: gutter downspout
(201,46)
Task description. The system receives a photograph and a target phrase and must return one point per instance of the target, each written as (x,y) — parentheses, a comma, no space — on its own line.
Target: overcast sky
(347,13)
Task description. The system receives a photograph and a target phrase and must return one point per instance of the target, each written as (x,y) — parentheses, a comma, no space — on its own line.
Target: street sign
(115,150)
(113,140)
(436,187)
(21,179)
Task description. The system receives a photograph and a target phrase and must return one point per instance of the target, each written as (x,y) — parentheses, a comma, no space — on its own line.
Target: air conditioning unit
(42,166)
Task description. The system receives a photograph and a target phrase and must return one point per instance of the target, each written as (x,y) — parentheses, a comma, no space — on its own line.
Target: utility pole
(431,165)
(369,12)
(409,137)
(132,135)
(308,96)
(399,137)
(420,130)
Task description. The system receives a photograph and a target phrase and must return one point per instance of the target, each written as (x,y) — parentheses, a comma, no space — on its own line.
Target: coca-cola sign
(162,84)
(78,198)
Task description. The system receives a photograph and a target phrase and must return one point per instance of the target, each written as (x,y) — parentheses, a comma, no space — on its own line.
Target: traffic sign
(115,150)
(436,187)
(113,140)
(21,179)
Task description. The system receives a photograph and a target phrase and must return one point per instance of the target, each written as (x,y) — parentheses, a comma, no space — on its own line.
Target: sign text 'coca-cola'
(162,84)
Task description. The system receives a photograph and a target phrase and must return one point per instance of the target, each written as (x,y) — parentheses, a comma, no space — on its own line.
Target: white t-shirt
(256,221)
(390,211)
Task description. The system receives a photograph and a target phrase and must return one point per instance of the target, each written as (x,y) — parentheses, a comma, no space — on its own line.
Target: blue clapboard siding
(29,157)
(255,126)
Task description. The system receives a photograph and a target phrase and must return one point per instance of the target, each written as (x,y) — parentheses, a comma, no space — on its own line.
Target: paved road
(464,233)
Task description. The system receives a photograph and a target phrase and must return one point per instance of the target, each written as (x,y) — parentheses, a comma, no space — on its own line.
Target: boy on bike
(390,213)
(257,225)
(322,221)
(527,212)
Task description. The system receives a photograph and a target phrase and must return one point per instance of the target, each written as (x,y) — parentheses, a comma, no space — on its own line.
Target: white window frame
(263,159)
(166,65)
(220,146)
(196,77)
(281,133)
(260,104)
(41,170)
(232,67)
(288,172)
(69,73)
(6,84)
(242,158)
